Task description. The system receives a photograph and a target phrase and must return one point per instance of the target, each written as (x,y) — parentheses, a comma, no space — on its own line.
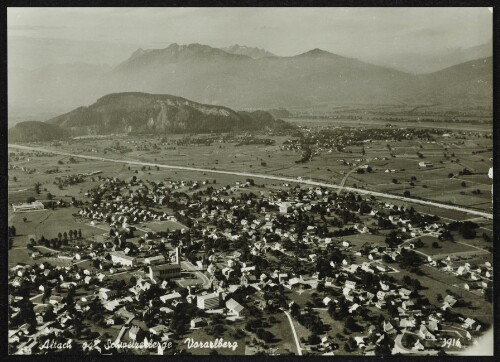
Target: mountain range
(417,63)
(252,52)
(250,78)
(135,112)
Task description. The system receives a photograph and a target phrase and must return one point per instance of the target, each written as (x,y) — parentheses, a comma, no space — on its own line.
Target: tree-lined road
(267,177)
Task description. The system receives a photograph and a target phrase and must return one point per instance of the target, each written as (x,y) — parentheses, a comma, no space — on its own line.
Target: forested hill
(146,113)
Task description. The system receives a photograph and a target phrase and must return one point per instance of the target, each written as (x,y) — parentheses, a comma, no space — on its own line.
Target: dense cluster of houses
(338,139)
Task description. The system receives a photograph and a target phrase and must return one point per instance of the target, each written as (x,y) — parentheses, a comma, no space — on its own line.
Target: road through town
(268,177)
(296,338)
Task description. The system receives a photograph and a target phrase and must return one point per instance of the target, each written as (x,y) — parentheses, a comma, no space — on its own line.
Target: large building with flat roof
(166,271)
(118,257)
(36,205)
(208,301)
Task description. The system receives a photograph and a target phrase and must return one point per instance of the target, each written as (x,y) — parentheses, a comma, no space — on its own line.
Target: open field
(445,248)
(227,172)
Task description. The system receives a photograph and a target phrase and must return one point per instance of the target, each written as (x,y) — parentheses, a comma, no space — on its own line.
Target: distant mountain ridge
(175,53)
(252,52)
(417,63)
(470,82)
(135,113)
(214,76)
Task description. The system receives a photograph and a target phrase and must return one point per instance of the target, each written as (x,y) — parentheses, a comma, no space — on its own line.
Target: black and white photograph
(248,181)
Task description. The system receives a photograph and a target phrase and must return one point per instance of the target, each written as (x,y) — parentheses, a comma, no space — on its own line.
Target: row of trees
(62,239)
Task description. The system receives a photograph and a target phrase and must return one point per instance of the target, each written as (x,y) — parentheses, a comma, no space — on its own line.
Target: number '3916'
(451,342)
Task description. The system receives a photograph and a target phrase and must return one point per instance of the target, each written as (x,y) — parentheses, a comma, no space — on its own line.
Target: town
(270,268)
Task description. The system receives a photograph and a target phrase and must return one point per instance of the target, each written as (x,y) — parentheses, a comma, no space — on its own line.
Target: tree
(79,233)
(49,196)
(14,179)
(406,193)
(350,324)
(383,350)
(30,199)
(463,184)
(408,340)
(295,310)
(435,245)
(37,187)
(488,294)
(313,339)
(59,236)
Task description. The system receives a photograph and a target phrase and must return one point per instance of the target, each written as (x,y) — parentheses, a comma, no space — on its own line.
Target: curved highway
(268,177)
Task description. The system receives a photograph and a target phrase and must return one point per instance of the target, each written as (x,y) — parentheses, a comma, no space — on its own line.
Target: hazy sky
(355,32)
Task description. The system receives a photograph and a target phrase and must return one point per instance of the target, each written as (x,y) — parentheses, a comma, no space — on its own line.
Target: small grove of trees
(486,238)
(37,187)
(465,172)
(414,283)
(409,259)
(466,228)
(12,231)
(265,335)
(306,156)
